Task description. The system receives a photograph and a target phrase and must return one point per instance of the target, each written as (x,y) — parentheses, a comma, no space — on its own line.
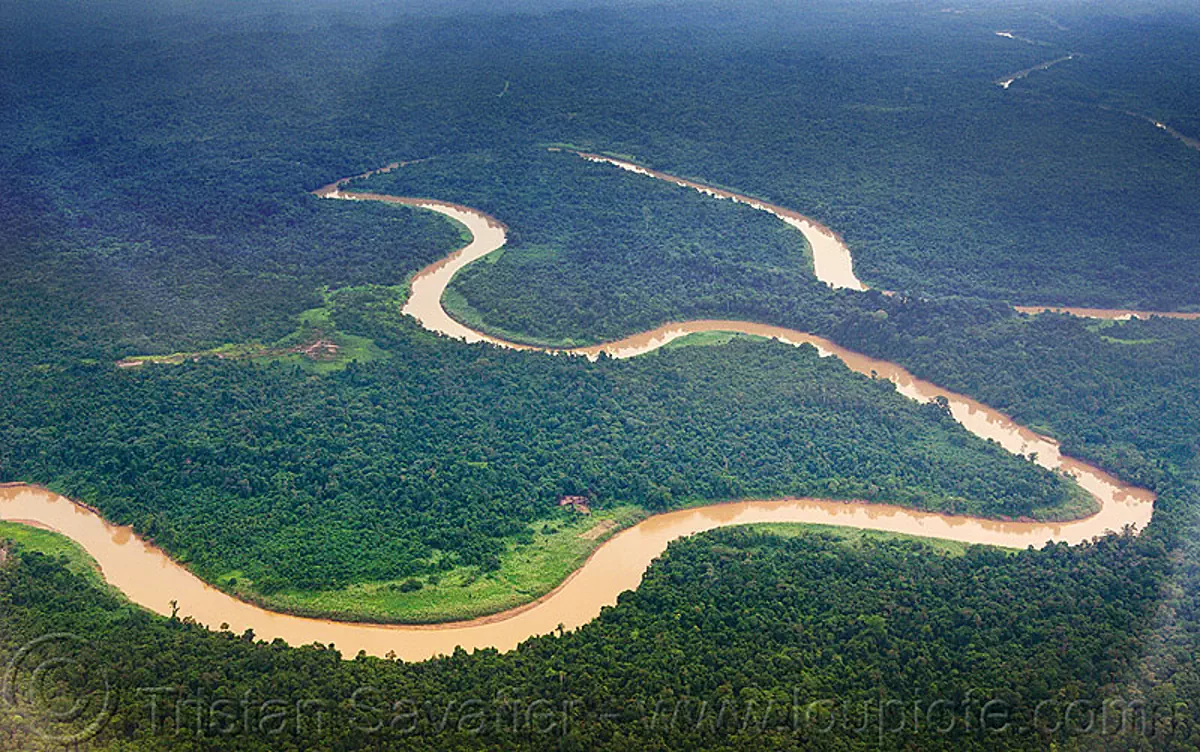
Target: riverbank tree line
(735,640)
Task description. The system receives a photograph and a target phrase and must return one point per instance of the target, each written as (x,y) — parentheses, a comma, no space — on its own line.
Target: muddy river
(148,577)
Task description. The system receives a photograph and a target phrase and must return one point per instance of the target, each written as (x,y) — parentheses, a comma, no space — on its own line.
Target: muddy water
(425,299)
(1007,81)
(832,262)
(148,577)
(1016,38)
(1187,141)
(1112,314)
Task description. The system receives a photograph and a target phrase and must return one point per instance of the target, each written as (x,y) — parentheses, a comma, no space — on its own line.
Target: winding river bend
(832,262)
(148,577)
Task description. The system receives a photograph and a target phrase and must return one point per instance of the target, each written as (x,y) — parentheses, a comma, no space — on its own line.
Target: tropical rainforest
(431,459)
(158,162)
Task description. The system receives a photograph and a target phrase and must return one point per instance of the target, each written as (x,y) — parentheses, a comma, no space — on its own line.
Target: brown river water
(1111,314)
(149,577)
(832,262)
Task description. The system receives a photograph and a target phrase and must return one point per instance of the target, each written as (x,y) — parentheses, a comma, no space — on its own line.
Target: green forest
(157,164)
(734,640)
(441,455)
(595,253)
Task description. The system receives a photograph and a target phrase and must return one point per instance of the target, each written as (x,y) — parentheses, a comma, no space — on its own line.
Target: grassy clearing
(852,535)
(1080,504)
(1102,325)
(707,339)
(527,571)
(53,544)
(461,311)
(351,348)
(315,327)
(320,317)
(1115,341)
(568,146)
